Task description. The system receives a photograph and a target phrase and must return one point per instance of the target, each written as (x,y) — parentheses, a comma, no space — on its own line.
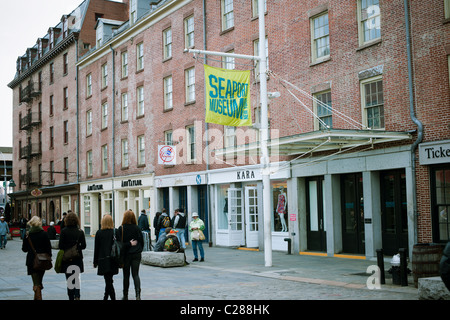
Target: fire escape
(29,123)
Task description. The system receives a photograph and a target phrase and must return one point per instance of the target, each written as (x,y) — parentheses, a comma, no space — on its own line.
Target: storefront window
(108,203)
(442,202)
(222,206)
(280,208)
(87,210)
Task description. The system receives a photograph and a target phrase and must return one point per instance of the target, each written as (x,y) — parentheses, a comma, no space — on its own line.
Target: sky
(22,22)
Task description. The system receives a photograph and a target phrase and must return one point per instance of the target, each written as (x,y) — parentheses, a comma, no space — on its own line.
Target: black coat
(68,238)
(102,253)
(132,232)
(41,244)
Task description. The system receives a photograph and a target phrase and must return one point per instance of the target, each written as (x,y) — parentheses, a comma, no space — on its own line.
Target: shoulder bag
(42,261)
(71,253)
(116,249)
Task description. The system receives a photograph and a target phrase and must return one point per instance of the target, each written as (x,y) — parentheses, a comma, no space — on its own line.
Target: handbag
(71,253)
(201,235)
(58,261)
(42,261)
(116,250)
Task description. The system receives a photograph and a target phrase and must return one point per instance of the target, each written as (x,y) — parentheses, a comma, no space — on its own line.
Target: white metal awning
(317,141)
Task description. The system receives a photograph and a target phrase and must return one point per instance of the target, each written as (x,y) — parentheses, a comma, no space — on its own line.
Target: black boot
(138,294)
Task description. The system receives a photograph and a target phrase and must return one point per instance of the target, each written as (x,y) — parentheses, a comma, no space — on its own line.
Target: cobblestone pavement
(227,274)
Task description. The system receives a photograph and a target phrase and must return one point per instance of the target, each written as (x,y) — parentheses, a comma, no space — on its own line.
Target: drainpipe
(113,132)
(77,119)
(412,115)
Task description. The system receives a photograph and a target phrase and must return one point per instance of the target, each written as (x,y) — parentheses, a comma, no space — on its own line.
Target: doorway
(315,214)
(352,202)
(394,211)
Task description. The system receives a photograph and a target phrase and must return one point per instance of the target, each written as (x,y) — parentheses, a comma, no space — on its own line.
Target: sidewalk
(226,273)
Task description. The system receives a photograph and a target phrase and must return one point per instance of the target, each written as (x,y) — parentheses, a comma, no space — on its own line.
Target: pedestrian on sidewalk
(107,267)
(196,227)
(4,230)
(145,228)
(156,224)
(159,245)
(41,243)
(179,224)
(163,222)
(131,236)
(72,237)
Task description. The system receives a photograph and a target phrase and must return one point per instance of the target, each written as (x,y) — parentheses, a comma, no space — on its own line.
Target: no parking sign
(167,155)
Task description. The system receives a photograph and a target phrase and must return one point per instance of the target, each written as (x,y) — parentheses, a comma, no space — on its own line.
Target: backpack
(166,222)
(170,244)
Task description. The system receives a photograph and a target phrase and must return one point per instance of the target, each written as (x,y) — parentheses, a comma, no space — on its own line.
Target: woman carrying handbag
(36,240)
(72,241)
(107,266)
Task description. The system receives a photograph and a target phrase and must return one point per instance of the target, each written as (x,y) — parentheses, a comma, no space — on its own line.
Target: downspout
(413,117)
(77,119)
(113,132)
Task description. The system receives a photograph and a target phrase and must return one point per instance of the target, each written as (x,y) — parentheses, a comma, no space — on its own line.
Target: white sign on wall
(434,152)
(167,155)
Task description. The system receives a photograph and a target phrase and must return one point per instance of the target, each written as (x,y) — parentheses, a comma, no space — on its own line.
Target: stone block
(163,259)
(55,244)
(433,288)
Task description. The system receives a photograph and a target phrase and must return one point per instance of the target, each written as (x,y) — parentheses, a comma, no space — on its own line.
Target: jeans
(181,237)
(3,241)
(131,261)
(195,244)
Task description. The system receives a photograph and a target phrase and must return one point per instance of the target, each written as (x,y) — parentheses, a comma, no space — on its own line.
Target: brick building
(359,161)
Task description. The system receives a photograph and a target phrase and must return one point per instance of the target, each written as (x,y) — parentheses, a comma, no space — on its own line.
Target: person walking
(23,226)
(40,241)
(107,267)
(145,228)
(72,237)
(131,236)
(4,230)
(156,225)
(195,227)
(179,224)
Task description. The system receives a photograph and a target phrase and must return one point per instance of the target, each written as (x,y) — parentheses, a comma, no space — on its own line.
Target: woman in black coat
(41,243)
(70,236)
(133,243)
(107,267)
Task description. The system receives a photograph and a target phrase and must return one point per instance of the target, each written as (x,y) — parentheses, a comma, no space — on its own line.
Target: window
(66,169)
(139,56)
(66,131)
(167,43)
(320,38)
(51,137)
(227,14)
(141,150)
(168,137)
(89,85)
(66,97)
(104,76)
(89,122)
(229,136)
(369,21)
(255,8)
(140,101)
(322,108)
(190,143)
(125,106)
(89,163)
(440,185)
(256,51)
(124,64)
(373,103)
(52,72)
(228,62)
(105,159)
(51,106)
(125,153)
(189,32)
(168,104)
(104,116)
(52,171)
(133,9)
(190,84)
(65,63)
(447,9)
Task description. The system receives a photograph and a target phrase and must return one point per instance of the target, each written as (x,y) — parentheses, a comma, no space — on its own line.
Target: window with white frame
(320,48)
(141,150)
(89,85)
(256,51)
(125,161)
(104,115)
(189,32)
(373,102)
(323,109)
(229,136)
(89,163)
(255,7)
(104,75)
(104,159)
(228,62)
(88,122)
(167,43)
(133,9)
(168,103)
(125,106)
(227,14)
(124,64)
(140,101)
(139,56)
(168,137)
(190,132)
(369,18)
(190,84)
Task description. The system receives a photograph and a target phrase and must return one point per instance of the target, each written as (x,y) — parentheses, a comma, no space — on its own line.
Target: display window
(280,206)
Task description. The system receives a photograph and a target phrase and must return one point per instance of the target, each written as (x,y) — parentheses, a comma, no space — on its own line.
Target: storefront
(436,156)
(114,196)
(238,208)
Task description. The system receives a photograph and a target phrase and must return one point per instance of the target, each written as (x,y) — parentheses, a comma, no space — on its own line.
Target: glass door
(315,215)
(251,217)
(235,217)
